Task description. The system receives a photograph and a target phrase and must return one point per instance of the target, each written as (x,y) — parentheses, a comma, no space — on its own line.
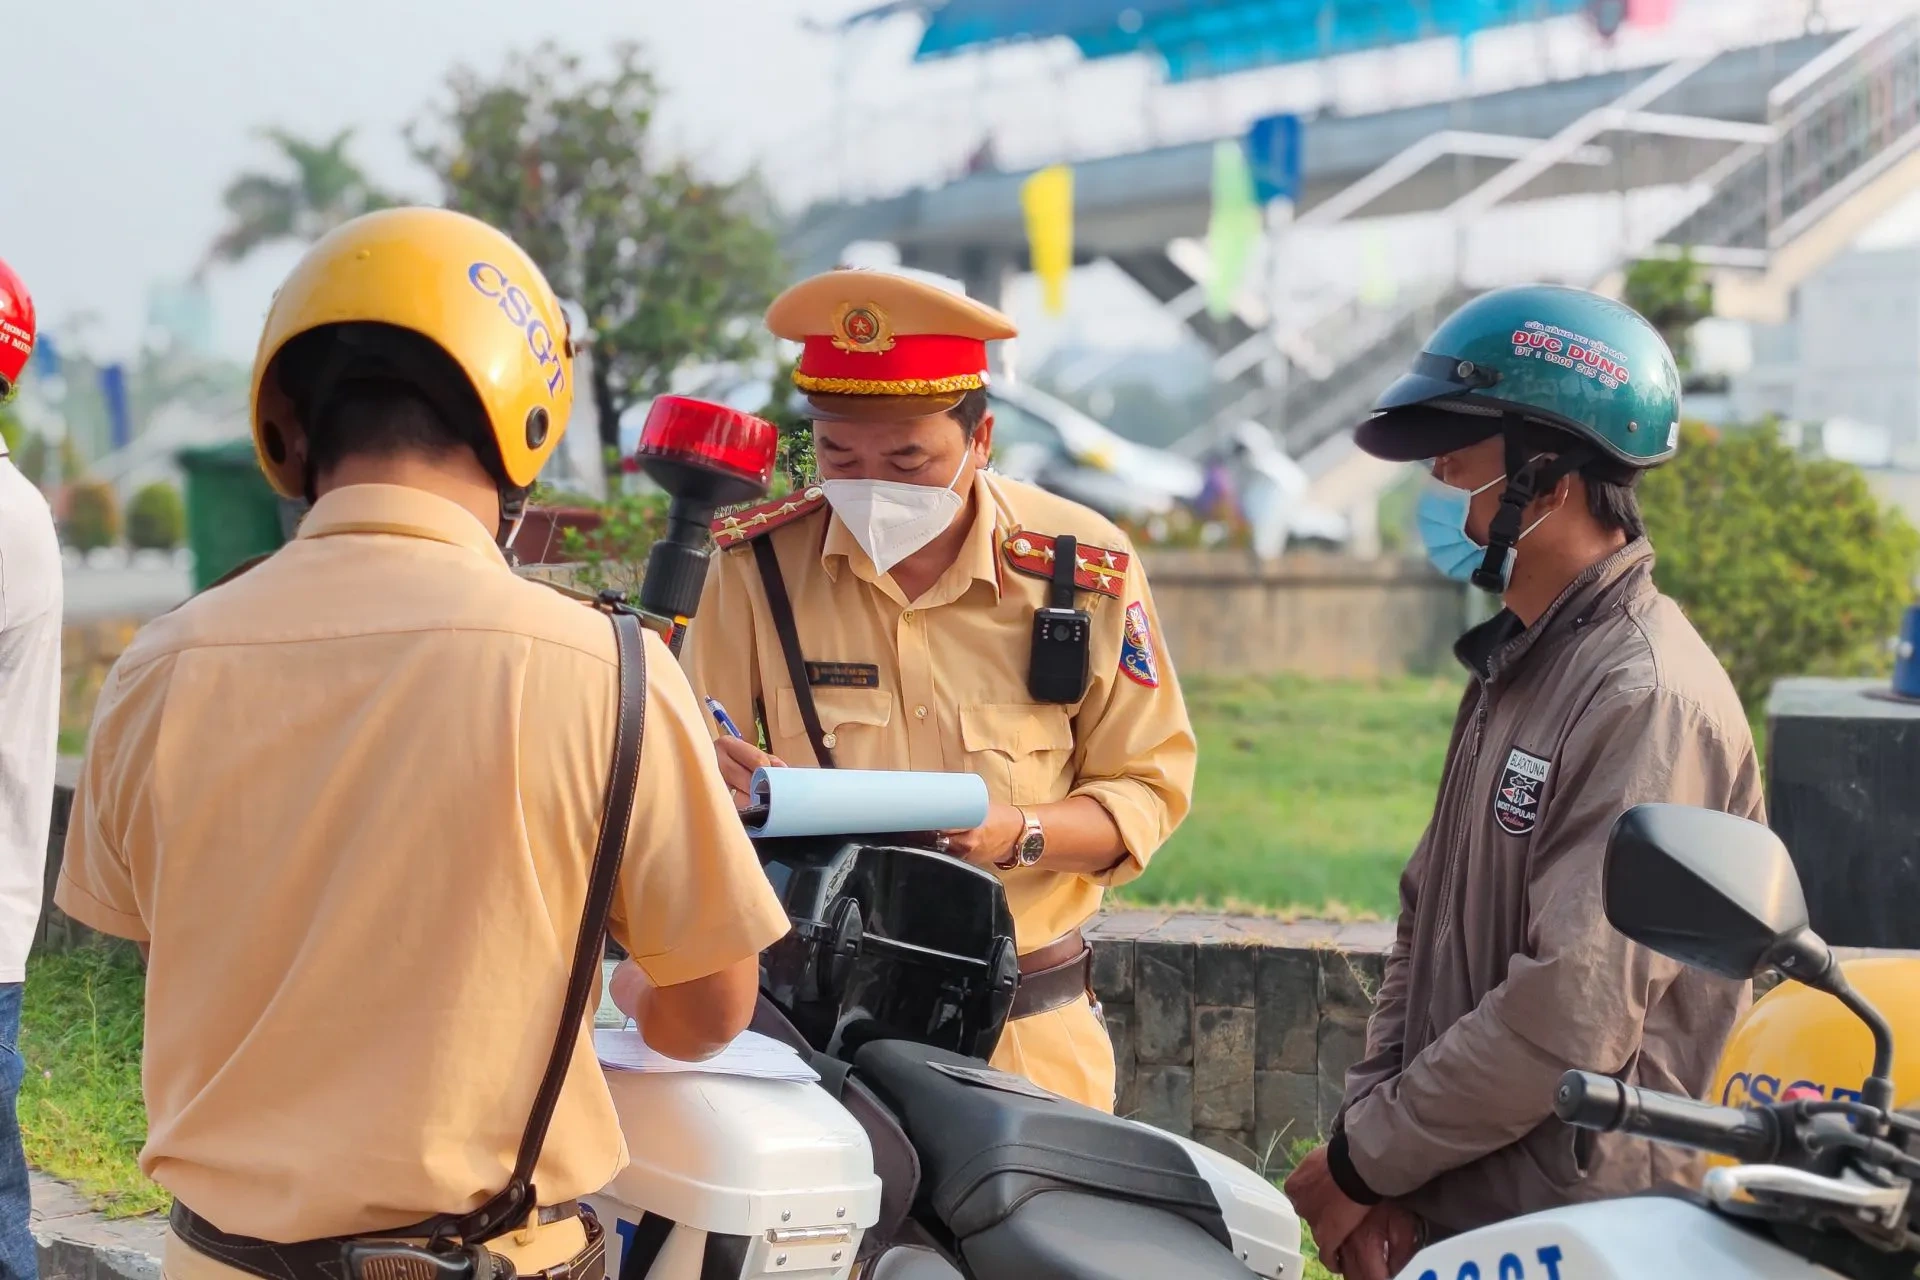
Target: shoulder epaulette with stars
(1099,570)
(748,523)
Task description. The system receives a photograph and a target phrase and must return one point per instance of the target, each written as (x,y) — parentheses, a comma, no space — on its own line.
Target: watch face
(1031,848)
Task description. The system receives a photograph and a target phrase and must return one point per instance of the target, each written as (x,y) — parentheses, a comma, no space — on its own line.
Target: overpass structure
(1785,148)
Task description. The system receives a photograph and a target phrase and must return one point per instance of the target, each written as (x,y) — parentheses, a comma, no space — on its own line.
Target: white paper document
(816,802)
(751,1054)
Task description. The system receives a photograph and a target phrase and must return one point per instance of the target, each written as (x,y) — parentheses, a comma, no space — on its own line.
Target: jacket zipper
(1468,760)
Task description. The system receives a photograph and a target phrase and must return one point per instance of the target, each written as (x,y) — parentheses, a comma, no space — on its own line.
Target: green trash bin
(232,513)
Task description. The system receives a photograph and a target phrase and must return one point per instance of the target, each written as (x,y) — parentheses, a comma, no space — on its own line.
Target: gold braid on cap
(880,387)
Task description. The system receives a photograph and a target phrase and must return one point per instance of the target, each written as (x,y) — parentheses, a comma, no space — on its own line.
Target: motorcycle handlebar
(1592,1101)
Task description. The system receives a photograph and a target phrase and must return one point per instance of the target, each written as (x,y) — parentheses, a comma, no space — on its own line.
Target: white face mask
(890,519)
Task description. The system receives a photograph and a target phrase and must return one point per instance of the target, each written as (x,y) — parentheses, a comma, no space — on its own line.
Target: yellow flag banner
(1047,200)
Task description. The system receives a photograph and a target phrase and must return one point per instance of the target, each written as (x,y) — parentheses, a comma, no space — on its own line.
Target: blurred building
(1849,350)
(1405,154)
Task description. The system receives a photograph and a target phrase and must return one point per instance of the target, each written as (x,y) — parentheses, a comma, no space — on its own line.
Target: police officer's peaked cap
(879,345)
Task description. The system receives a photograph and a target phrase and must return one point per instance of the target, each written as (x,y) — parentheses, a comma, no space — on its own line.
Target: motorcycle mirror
(1711,890)
(1720,893)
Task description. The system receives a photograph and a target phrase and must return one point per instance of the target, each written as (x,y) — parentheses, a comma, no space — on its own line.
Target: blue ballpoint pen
(721,718)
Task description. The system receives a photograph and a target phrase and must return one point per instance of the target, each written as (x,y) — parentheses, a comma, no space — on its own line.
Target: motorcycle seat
(990,1144)
(1075,1235)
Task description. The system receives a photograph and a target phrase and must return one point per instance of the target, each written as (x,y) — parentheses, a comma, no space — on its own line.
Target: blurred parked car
(1045,441)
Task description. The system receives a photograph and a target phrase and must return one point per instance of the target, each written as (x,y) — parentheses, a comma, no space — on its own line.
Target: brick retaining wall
(1236,1031)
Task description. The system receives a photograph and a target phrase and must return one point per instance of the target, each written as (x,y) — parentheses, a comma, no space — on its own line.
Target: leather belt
(321,1259)
(1054,976)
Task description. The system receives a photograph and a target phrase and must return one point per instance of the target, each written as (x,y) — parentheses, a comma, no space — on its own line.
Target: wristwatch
(1028,848)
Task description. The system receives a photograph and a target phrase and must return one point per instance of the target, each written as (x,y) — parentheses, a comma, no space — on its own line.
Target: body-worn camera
(1057,661)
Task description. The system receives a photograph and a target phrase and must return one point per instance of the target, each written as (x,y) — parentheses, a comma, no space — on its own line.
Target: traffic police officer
(1590,693)
(348,801)
(907,583)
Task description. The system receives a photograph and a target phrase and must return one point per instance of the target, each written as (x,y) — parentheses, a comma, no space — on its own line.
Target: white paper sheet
(752,1055)
(819,802)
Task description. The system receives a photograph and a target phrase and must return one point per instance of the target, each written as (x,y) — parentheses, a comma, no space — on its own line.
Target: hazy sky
(129,117)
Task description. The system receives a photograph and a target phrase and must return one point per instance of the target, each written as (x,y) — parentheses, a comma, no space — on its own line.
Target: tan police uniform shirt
(947,680)
(351,798)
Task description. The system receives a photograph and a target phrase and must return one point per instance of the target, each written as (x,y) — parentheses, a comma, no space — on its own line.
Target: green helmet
(1560,357)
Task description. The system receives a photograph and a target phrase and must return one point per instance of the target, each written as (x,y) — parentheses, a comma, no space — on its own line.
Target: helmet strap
(1527,478)
(513,511)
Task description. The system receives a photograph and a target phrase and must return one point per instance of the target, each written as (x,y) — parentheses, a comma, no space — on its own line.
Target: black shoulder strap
(1066,566)
(782,609)
(249,563)
(509,1208)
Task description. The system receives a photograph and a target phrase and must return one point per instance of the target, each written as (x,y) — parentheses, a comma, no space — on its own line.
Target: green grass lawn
(1310,794)
(80,1112)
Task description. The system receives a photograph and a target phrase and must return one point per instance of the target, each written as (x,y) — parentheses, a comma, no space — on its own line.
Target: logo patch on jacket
(1516,801)
(1136,648)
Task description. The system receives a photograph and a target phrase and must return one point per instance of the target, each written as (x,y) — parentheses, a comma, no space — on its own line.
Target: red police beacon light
(706,456)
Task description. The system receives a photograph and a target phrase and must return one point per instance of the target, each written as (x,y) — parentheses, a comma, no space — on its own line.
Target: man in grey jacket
(1590,693)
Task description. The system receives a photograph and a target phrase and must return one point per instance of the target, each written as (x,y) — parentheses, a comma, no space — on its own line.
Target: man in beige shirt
(914,577)
(348,801)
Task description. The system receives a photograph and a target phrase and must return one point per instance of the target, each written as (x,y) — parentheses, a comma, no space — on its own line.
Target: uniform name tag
(1516,801)
(843,675)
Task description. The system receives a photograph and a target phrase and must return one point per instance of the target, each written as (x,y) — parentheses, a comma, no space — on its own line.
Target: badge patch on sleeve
(1516,801)
(1136,648)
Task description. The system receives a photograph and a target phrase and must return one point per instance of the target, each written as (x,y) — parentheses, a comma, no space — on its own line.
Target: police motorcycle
(1812,1188)
(911,1158)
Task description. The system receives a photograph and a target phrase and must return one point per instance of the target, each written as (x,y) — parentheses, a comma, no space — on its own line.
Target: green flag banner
(1233,229)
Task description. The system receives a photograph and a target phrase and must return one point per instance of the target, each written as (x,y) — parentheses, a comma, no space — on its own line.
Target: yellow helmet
(1795,1036)
(453,281)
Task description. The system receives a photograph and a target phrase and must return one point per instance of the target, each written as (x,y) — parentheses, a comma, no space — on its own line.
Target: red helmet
(16,330)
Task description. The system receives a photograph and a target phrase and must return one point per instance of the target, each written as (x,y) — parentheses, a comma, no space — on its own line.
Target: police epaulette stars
(1097,569)
(748,523)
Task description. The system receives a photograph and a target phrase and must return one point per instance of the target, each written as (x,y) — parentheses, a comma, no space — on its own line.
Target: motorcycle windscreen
(889,942)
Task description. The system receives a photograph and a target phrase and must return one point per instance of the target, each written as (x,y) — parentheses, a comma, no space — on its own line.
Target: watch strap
(1030,832)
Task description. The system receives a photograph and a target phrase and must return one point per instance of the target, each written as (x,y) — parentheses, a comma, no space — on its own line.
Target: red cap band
(927,364)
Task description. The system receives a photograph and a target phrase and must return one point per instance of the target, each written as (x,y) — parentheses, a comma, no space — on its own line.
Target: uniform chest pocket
(1021,749)
(851,719)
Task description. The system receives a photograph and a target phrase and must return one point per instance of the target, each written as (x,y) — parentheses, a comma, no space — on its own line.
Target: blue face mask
(1442,515)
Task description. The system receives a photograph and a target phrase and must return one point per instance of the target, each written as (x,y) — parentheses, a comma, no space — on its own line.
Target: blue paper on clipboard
(820,802)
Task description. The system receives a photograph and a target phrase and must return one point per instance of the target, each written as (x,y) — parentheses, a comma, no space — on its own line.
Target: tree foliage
(797,462)
(1674,295)
(156,518)
(323,189)
(31,456)
(93,516)
(1787,565)
(671,268)
(615,554)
